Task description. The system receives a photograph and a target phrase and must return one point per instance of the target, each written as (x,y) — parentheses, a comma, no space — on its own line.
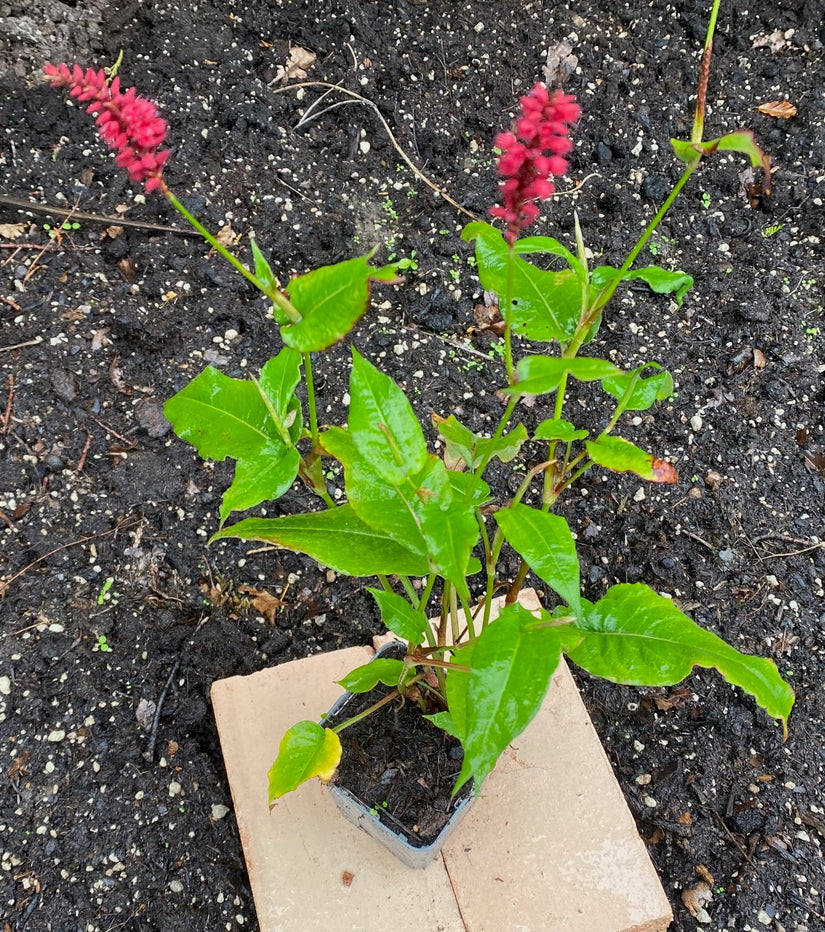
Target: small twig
(114,433)
(149,754)
(698,539)
(396,145)
(122,526)
(9,404)
(794,553)
(14,346)
(24,204)
(82,461)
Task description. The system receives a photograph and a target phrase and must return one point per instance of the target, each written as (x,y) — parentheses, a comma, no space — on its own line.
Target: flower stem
(274,294)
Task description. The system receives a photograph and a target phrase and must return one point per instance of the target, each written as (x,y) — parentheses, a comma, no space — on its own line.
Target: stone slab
(549,847)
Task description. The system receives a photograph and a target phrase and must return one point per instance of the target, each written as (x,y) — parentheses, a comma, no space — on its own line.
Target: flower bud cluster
(533,153)
(127,123)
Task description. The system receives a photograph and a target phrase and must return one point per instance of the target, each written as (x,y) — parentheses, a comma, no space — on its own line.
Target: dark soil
(116,617)
(399,764)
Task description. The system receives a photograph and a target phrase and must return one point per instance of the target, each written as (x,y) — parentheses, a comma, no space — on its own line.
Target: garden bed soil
(116,617)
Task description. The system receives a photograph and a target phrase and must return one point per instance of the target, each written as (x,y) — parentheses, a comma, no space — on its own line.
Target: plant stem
(508,307)
(704,75)
(274,294)
(362,715)
(313,416)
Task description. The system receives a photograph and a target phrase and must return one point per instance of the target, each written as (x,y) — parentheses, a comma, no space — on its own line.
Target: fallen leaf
(758,359)
(705,874)
(560,64)
(12,230)
(127,269)
(815,460)
(663,472)
(783,109)
(347,878)
(145,714)
(112,232)
(262,601)
(116,377)
(226,235)
(296,64)
(695,899)
(99,339)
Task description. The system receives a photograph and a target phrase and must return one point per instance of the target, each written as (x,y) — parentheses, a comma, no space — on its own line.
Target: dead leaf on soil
(488,317)
(560,64)
(127,269)
(262,601)
(782,109)
(695,899)
(227,236)
(815,461)
(12,231)
(299,60)
(99,339)
(116,377)
(758,359)
(145,714)
(112,232)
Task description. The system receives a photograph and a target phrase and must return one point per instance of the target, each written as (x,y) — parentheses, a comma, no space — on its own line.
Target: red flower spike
(127,123)
(532,154)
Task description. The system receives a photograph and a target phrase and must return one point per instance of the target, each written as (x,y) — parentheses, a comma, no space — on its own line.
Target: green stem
(313,416)
(508,307)
(274,294)
(367,712)
(409,589)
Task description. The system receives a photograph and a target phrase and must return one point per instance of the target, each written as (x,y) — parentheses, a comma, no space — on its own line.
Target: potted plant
(426,524)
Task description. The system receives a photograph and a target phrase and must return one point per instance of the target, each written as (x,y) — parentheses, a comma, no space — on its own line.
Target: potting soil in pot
(399,764)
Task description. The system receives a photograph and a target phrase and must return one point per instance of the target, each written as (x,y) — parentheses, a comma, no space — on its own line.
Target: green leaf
(546,305)
(645,391)
(546,544)
(221,416)
(256,422)
(512,662)
(558,429)
(538,375)
(307,750)
(635,636)
(384,670)
(741,140)
(466,449)
(621,455)
(337,538)
(378,503)
(658,280)
(331,300)
(382,423)
(267,278)
(400,617)
(266,477)
(279,378)
(546,244)
(448,525)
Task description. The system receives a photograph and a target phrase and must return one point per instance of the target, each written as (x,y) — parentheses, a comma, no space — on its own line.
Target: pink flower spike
(531,155)
(127,123)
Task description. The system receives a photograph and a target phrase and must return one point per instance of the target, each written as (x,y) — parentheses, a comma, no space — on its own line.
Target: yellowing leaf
(783,109)
(307,750)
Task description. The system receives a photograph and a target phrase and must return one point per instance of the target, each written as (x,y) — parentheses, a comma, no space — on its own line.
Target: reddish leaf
(663,472)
